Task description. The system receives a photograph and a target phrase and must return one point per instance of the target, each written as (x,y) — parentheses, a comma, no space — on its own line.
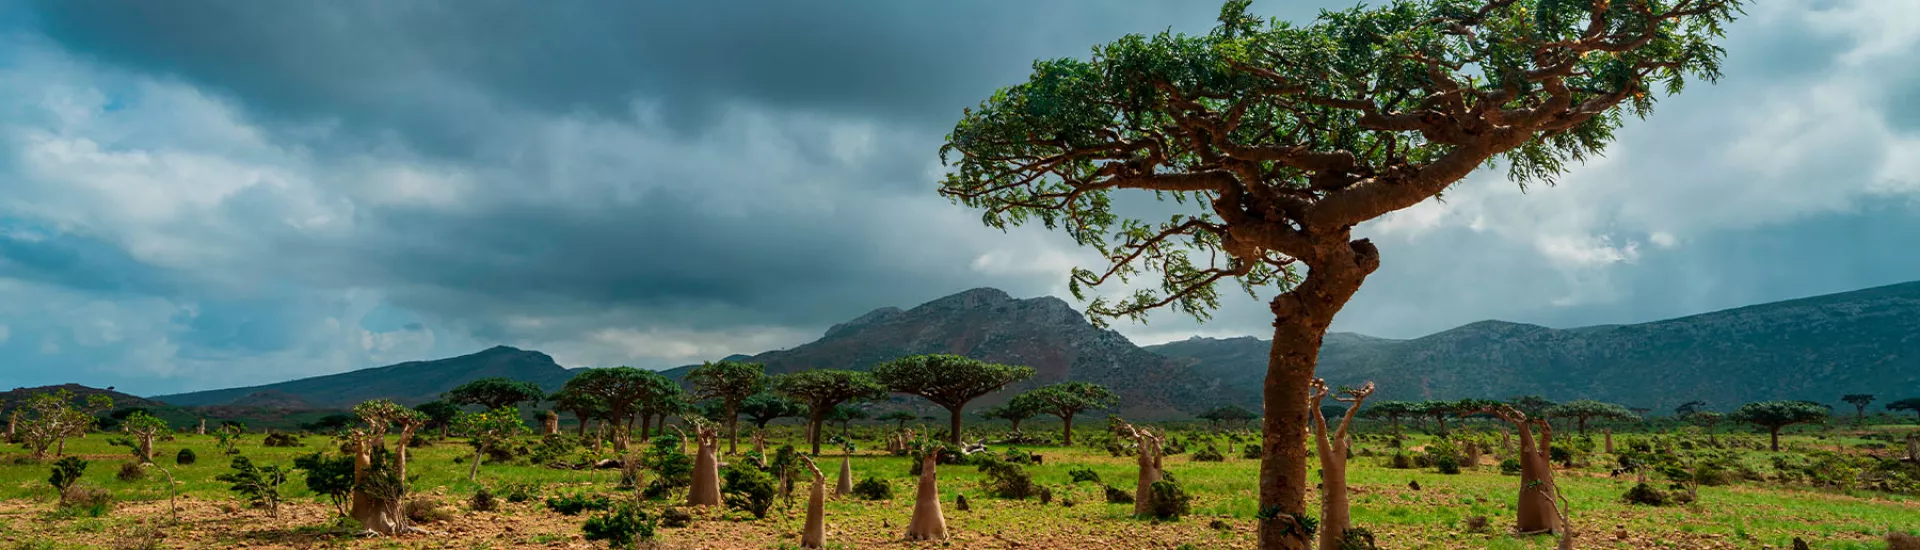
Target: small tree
(1014,411)
(950,381)
(1908,404)
(440,415)
(328,475)
(1859,402)
(261,485)
(1537,511)
(766,407)
(706,469)
(494,393)
(228,435)
(487,430)
(1393,412)
(1774,415)
(66,472)
(143,427)
(731,383)
(1586,409)
(1332,445)
(52,417)
(845,416)
(379,474)
(1068,399)
(1707,419)
(822,390)
(1688,408)
(1228,416)
(1147,446)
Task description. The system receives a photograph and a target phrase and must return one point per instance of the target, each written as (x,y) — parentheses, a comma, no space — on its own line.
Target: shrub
(483,501)
(86,500)
(1402,461)
(1250,452)
(1510,467)
(1166,500)
(131,471)
(622,526)
(1017,456)
(261,485)
(673,469)
(1560,455)
(520,492)
(572,505)
(330,476)
(66,471)
(184,458)
(1358,538)
(749,489)
(281,440)
(426,510)
(553,447)
(1117,496)
(1046,495)
(1007,480)
(1645,494)
(1208,454)
(1084,474)
(675,517)
(1447,464)
(873,488)
(1477,524)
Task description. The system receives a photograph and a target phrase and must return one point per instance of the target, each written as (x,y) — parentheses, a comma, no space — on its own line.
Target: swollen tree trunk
(706,468)
(1148,458)
(1301,319)
(202,430)
(815,535)
(550,423)
(1913,447)
(382,513)
(845,485)
(146,448)
(1332,444)
(928,523)
(1536,510)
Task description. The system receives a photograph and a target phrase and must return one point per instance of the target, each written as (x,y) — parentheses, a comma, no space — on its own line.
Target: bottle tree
(1285,137)
(950,381)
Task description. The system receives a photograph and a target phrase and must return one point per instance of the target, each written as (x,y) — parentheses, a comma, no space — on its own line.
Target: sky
(210,194)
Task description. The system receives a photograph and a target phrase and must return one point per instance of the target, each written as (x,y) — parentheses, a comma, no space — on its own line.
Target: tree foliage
(823,389)
(950,381)
(1584,410)
(494,392)
(764,407)
(731,383)
(1068,399)
(624,391)
(52,417)
(1908,404)
(1774,415)
(486,430)
(1228,415)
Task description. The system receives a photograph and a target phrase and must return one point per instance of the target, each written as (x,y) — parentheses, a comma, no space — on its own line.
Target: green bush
(1447,464)
(1402,461)
(673,469)
(184,458)
(621,527)
(520,492)
(259,484)
(483,501)
(1250,452)
(131,471)
(281,440)
(1117,496)
(1647,495)
(1357,538)
(1510,467)
(1166,500)
(328,475)
(1209,454)
(1008,480)
(873,488)
(675,517)
(573,504)
(749,489)
(66,471)
(1083,474)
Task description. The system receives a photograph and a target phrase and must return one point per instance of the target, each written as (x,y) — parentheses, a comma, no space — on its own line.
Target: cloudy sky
(208,194)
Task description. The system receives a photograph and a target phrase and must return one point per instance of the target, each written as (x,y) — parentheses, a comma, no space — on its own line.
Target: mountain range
(1865,341)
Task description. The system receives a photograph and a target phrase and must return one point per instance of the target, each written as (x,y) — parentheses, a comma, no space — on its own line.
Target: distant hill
(1818,348)
(409,383)
(987,324)
(175,416)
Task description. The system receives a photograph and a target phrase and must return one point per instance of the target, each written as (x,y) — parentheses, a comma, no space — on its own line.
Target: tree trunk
(1016,426)
(814,420)
(1442,420)
(1148,458)
(201,431)
(845,485)
(816,532)
(928,523)
(954,425)
(733,428)
(550,423)
(380,514)
(1582,422)
(146,448)
(646,427)
(1773,433)
(1609,438)
(1536,508)
(1068,420)
(1334,510)
(473,474)
(582,431)
(1913,447)
(706,469)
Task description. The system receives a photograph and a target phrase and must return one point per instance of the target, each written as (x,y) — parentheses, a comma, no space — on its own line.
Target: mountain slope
(408,383)
(1818,348)
(987,324)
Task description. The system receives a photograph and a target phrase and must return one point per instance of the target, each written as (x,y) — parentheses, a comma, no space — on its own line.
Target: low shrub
(1358,538)
(66,471)
(130,472)
(1250,452)
(1447,464)
(573,504)
(749,489)
(426,510)
(185,457)
(1008,480)
(675,517)
(1083,474)
(1510,467)
(86,500)
(281,440)
(1646,494)
(483,501)
(873,488)
(520,492)
(1117,496)
(622,526)
(1166,500)
(1402,461)
(1209,454)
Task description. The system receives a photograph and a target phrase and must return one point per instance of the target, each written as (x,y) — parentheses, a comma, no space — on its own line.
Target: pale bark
(382,515)
(928,523)
(706,467)
(1148,460)
(1536,509)
(202,430)
(1335,514)
(550,423)
(1913,447)
(1609,439)
(815,535)
(845,485)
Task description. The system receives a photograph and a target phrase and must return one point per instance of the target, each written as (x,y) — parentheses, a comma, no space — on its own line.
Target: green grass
(1742,515)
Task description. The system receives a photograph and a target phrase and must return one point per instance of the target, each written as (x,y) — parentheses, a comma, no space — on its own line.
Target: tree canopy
(1228,415)
(730,383)
(494,392)
(950,381)
(1068,399)
(765,407)
(823,389)
(624,391)
(1584,410)
(1908,404)
(1774,415)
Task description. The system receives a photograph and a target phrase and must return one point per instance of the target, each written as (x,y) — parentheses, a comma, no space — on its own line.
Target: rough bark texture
(382,514)
(1536,510)
(1773,434)
(953,435)
(1147,458)
(928,523)
(550,423)
(815,535)
(706,468)
(1335,516)
(845,485)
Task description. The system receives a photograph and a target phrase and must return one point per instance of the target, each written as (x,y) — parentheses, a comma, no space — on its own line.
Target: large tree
(1014,411)
(494,392)
(1228,416)
(950,381)
(1068,399)
(623,390)
(1908,404)
(1859,402)
(731,383)
(1586,410)
(582,405)
(766,407)
(1286,137)
(1774,415)
(440,415)
(822,390)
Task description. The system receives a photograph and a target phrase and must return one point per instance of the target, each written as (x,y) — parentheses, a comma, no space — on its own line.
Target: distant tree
(823,389)
(950,381)
(440,415)
(331,423)
(1774,415)
(1585,410)
(1689,408)
(1440,411)
(901,418)
(766,407)
(1229,416)
(1393,412)
(583,405)
(53,416)
(1014,411)
(730,383)
(488,430)
(143,427)
(1068,399)
(664,399)
(495,392)
(845,416)
(1859,402)
(623,390)
(1533,405)
(1706,419)
(1908,404)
